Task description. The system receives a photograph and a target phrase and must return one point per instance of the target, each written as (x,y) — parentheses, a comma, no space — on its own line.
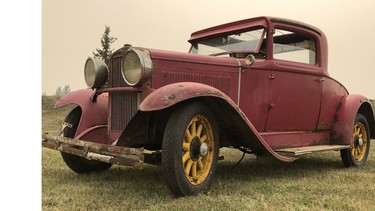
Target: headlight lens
(136,67)
(96,73)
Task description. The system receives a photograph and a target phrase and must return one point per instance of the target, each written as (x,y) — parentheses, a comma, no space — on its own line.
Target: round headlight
(96,73)
(136,67)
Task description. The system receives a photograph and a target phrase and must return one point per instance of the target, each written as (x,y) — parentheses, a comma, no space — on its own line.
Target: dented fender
(93,113)
(347,109)
(172,94)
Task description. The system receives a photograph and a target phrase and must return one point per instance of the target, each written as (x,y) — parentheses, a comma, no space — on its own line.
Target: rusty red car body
(274,96)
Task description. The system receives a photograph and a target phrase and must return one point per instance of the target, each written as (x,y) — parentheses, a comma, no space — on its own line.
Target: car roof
(249,23)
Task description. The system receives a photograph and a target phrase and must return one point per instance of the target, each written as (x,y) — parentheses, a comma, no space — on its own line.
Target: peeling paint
(99,157)
(171,97)
(322,126)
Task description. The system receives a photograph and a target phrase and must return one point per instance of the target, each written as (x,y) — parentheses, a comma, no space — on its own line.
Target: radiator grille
(116,79)
(123,105)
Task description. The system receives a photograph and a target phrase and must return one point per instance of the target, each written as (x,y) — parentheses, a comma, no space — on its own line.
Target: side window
(292,46)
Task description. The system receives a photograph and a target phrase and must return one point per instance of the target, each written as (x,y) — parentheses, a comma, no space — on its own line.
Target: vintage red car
(260,85)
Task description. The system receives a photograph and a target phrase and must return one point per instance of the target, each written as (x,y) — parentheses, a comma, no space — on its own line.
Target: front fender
(347,109)
(172,94)
(93,113)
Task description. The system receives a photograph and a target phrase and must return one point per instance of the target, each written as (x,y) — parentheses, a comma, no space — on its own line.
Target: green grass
(314,182)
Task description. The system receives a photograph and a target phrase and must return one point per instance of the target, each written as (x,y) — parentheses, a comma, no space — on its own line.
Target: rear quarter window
(293,46)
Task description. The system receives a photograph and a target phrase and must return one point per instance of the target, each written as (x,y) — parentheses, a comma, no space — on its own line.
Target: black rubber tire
(78,164)
(172,150)
(346,154)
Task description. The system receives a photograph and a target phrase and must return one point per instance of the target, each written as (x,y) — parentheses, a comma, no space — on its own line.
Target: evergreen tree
(62,91)
(66,89)
(106,51)
(58,91)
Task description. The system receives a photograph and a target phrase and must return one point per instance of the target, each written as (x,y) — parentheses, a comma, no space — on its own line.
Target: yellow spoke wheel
(359,144)
(359,148)
(197,150)
(190,149)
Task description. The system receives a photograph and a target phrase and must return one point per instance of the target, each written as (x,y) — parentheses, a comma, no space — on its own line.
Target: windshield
(240,42)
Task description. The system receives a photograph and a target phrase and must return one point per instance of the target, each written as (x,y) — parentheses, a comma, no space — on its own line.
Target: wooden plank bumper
(93,151)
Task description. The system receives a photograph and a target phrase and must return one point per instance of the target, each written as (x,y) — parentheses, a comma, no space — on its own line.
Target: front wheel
(190,149)
(76,163)
(358,152)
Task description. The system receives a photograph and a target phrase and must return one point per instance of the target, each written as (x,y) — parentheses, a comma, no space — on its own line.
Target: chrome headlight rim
(140,67)
(95,73)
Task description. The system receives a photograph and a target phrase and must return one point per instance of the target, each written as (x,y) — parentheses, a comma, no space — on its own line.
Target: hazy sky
(71,31)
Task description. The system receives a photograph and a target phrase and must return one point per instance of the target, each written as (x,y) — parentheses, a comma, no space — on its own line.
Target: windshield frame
(221,43)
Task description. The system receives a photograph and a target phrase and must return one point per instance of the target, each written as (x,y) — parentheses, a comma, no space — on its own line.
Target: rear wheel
(190,149)
(76,163)
(358,152)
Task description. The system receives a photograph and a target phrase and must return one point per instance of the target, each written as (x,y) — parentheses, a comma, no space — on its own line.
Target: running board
(311,149)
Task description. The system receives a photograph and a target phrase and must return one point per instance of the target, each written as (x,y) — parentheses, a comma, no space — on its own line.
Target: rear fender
(347,109)
(93,113)
(172,94)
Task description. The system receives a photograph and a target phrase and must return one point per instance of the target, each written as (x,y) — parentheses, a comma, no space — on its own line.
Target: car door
(255,93)
(296,87)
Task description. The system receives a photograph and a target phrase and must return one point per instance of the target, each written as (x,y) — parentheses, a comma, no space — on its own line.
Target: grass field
(314,182)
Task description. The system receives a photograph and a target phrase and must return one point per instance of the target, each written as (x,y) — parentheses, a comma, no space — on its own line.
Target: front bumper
(93,151)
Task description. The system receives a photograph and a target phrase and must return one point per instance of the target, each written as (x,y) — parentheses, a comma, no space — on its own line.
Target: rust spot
(167,99)
(338,140)
(322,126)
(336,118)
(339,106)
(214,93)
(319,142)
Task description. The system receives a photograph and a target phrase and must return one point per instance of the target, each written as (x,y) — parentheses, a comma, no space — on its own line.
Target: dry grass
(314,182)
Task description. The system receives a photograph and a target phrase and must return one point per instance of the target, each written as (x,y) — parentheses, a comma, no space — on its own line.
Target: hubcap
(360,142)
(197,150)
(203,150)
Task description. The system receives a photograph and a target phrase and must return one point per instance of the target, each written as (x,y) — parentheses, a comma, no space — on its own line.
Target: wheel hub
(358,142)
(203,150)
(195,149)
